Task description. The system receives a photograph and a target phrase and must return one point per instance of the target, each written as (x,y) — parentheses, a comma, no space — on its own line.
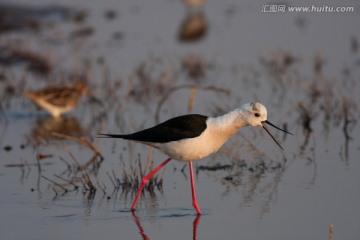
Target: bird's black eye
(257,114)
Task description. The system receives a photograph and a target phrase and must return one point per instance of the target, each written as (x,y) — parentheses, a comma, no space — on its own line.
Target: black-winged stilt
(192,137)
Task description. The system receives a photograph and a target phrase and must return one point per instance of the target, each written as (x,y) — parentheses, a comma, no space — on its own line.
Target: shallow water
(135,65)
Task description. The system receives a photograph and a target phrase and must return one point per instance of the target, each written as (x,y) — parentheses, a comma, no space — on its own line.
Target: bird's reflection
(138,224)
(195,226)
(145,237)
(45,127)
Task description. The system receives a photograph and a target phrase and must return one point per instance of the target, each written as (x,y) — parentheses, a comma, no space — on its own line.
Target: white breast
(192,149)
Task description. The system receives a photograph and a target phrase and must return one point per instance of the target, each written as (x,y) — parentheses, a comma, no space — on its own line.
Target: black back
(186,126)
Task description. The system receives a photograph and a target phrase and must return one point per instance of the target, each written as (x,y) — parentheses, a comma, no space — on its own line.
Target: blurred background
(72,69)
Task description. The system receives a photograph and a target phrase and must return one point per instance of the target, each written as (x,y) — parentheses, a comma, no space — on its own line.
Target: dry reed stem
(346,112)
(74,159)
(103,188)
(93,161)
(80,140)
(306,117)
(67,164)
(191,100)
(67,181)
(56,184)
(185,86)
(112,181)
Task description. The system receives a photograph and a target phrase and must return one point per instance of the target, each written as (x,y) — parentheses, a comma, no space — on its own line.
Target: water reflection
(139,226)
(45,128)
(145,237)
(195,226)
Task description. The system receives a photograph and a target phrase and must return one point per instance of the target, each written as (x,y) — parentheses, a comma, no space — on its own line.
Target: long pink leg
(144,181)
(193,192)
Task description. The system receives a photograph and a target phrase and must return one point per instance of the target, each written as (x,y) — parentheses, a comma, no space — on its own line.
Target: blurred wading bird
(192,137)
(58,100)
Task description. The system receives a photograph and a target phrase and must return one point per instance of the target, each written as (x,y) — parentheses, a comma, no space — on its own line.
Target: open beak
(264,126)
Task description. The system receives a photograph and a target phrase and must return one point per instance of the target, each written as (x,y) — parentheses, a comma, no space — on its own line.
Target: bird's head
(82,88)
(256,115)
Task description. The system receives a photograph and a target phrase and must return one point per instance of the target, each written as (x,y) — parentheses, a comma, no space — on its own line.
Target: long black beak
(264,126)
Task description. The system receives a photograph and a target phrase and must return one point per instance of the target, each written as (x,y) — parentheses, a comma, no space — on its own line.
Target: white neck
(228,124)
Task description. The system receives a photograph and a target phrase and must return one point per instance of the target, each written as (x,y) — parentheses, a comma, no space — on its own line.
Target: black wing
(186,126)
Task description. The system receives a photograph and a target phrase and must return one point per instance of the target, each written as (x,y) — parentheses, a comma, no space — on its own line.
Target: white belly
(192,149)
